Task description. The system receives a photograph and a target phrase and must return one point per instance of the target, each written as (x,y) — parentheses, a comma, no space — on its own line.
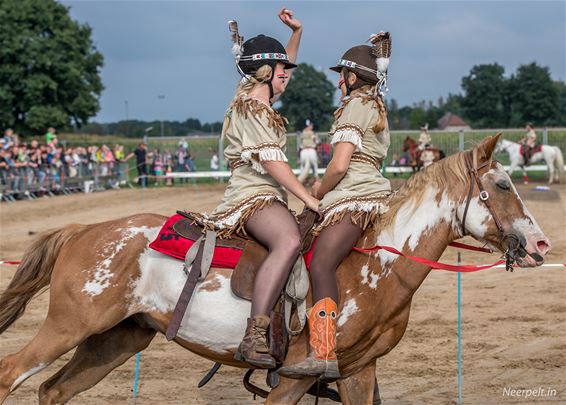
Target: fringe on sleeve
(348,133)
(262,153)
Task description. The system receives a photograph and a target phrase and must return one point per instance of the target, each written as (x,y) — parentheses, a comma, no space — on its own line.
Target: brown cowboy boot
(254,348)
(322,361)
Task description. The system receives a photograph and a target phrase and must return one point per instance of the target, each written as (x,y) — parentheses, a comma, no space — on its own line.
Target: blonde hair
(244,87)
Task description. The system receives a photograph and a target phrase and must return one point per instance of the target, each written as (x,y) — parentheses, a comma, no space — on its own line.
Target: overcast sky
(181,49)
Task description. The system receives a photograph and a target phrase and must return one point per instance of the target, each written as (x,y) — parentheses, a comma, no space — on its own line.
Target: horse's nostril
(543,247)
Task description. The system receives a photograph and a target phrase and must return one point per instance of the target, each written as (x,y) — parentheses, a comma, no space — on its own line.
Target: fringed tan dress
(256,134)
(363,191)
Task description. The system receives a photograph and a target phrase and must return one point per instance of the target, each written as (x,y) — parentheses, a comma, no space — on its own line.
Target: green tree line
(489,99)
(137,128)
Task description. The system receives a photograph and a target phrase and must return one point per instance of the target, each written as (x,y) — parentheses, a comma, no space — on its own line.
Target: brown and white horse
(110,294)
(411,147)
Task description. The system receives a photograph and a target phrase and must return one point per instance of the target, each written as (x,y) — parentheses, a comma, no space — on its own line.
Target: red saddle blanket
(524,149)
(171,244)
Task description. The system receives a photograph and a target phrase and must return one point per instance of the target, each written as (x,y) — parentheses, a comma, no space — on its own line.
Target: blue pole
(459,335)
(136,376)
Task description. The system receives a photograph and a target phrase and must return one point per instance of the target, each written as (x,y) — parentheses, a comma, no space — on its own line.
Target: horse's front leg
(550,166)
(359,388)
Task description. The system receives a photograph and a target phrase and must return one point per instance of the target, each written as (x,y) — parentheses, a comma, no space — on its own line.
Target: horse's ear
(487,146)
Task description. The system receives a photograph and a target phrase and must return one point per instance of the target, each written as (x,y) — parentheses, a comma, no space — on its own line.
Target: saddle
(528,151)
(253,252)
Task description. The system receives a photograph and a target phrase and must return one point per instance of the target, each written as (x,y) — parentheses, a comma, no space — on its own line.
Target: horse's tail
(34,273)
(559,161)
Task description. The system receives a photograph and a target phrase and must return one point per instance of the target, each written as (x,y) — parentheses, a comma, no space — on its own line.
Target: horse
(412,148)
(552,155)
(110,293)
(309,162)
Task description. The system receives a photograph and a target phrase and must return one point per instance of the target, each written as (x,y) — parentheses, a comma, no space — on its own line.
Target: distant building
(451,122)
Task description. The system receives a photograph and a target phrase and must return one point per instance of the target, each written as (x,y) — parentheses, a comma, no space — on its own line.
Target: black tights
(276,229)
(332,245)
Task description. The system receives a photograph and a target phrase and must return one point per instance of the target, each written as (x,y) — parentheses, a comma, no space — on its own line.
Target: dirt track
(513,325)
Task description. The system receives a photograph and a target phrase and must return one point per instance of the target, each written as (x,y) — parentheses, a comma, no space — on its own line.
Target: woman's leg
(332,246)
(275,228)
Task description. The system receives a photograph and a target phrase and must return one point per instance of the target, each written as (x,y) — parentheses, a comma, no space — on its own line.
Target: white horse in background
(552,155)
(309,162)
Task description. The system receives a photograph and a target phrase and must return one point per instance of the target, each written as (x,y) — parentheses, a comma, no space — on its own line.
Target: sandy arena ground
(513,325)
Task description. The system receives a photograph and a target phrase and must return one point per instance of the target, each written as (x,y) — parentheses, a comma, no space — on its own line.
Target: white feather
(382,64)
(237,50)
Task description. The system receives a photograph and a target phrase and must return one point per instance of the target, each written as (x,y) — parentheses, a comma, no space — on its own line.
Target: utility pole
(161,97)
(127,118)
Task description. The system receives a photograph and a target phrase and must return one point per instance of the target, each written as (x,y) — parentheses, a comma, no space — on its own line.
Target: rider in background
(351,193)
(529,140)
(424,138)
(308,155)
(255,200)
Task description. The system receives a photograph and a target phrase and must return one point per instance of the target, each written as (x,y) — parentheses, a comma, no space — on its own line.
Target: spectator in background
(106,160)
(9,139)
(323,151)
(50,135)
(141,156)
(181,159)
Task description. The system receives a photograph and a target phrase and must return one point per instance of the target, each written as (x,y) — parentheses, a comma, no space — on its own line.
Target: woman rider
(255,202)
(351,193)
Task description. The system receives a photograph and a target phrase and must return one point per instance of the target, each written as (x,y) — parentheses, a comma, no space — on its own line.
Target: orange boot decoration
(322,361)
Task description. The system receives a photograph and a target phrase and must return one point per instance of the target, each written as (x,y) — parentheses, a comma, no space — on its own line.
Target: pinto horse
(110,294)
(411,147)
(552,155)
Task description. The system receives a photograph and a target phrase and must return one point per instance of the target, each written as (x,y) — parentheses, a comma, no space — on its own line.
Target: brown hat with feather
(369,63)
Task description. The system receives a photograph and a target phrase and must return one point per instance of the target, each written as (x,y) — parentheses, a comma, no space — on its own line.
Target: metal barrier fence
(202,148)
(26,182)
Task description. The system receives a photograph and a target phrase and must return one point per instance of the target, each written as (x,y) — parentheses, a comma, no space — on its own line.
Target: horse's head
(501,146)
(409,143)
(491,210)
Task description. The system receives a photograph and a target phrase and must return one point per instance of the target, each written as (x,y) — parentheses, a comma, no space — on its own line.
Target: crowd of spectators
(33,168)
(49,167)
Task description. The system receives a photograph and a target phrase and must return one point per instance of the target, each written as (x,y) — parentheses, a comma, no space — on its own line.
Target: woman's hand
(286,16)
(312,204)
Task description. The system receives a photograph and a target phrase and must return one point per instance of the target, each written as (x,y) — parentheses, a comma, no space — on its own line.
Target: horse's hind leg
(55,338)
(69,322)
(94,359)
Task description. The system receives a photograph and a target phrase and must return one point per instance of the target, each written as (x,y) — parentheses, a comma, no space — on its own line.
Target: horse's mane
(441,174)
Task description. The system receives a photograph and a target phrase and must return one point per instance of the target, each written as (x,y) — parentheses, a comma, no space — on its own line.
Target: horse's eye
(503,185)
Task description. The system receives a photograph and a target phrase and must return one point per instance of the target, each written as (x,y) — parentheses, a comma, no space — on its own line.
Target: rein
(510,241)
(464,268)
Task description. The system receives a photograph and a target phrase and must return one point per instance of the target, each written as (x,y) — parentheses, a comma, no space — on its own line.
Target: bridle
(510,241)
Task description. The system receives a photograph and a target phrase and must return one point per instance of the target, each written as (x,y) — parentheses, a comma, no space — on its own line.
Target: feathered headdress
(381,49)
(237,46)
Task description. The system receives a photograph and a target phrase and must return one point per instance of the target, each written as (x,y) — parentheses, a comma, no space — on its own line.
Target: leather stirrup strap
(207,254)
(193,258)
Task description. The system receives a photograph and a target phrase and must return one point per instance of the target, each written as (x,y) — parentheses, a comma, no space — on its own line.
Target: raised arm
(286,16)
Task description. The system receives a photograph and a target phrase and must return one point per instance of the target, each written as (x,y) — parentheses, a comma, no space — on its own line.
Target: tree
(49,75)
(561,116)
(534,97)
(309,95)
(485,95)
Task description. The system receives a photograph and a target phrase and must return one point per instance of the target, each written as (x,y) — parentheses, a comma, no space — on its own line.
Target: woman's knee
(288,244)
